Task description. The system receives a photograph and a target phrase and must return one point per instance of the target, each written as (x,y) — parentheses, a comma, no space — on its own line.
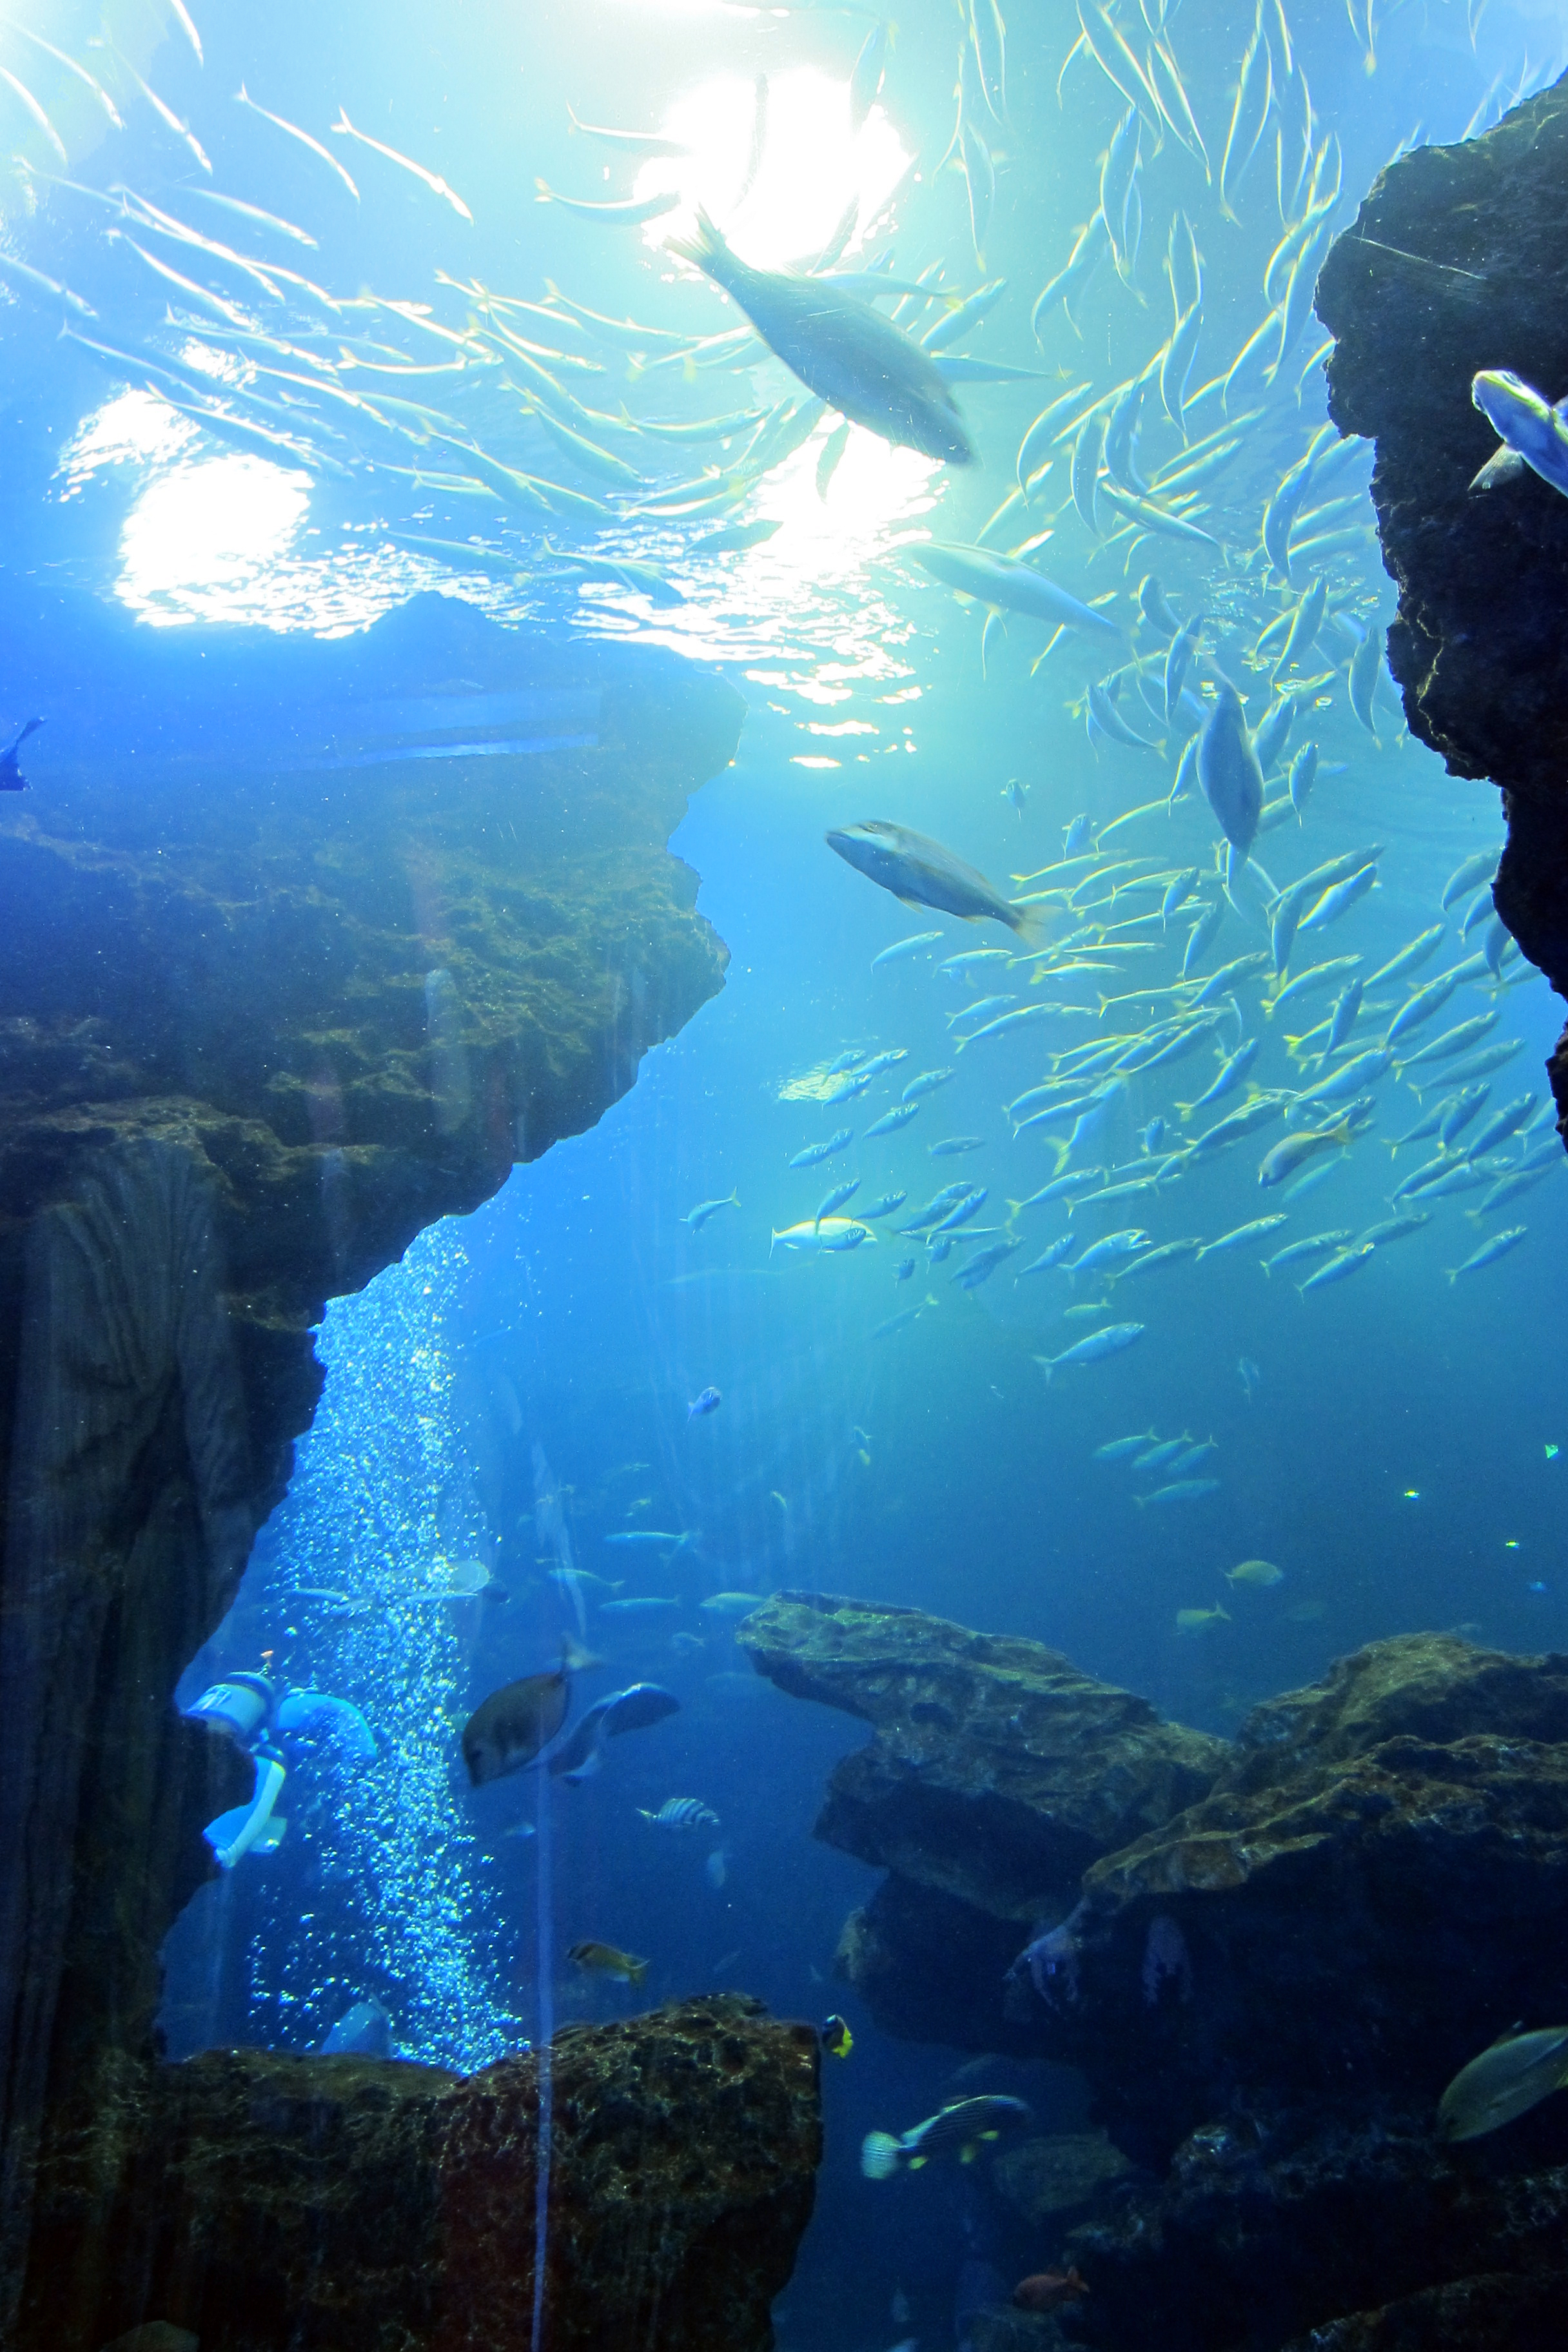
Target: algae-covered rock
(1399,1831)
(306,943)
(351,2204)
(998,1771)
(1455,264)
(1432,1687)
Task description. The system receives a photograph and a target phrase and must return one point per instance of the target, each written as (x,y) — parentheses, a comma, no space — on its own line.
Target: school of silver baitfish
(1169,976)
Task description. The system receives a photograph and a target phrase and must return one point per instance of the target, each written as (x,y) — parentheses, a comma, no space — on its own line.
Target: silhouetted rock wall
(1455,264)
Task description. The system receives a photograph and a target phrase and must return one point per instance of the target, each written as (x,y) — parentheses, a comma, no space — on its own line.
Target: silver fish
(841,348)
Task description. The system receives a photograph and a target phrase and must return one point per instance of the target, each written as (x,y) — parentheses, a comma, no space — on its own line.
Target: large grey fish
(1514,2075)
(1228,770)
(921,873)
(845,351)
(510,1728)
(1015,586)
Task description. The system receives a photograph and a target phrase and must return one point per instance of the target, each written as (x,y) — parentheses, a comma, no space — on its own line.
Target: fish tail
(879,2156)
(636,1971)
(1263,1262)
(703,248)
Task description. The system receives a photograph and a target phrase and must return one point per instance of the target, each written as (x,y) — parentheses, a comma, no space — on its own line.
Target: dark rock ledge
(1455,264)
(353,2204)
(1274,1954)
(302,945)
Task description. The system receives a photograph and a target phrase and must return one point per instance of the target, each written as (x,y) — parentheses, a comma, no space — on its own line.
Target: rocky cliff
(304,944)
(1455,264)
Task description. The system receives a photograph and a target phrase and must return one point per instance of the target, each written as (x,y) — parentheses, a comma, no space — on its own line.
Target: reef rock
(998,1774)
(1057,2175)
(347,2204)
(1266,1988)
(998,1771)
(1270,2225)
(1401,1829)
(305,944)
(1455,264)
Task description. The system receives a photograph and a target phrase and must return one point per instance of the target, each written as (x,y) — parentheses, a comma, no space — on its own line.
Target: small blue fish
(1250,1375)
(952,1144)
(892,1120)
(969,1205)
(815,1151)
(1078,836)
(885,1206)
(709,1401)
(362,2032)
(837,1198)
(1152,1136)
(904,1268)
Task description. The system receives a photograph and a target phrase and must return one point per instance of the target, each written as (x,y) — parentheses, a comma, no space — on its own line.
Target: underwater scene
(782,1558)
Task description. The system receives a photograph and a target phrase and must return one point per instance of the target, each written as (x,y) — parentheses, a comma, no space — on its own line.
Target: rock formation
(1267,1982)
(997,1775)
(344,2204)
(1454,265)
(304,943)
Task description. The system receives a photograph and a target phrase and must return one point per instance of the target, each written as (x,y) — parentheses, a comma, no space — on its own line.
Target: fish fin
(704,246)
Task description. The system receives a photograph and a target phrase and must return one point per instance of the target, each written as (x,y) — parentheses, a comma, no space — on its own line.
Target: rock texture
(350,2204)
(304,944)
(1267,1986)
(998,1771)
(998,1774)
(1455,264)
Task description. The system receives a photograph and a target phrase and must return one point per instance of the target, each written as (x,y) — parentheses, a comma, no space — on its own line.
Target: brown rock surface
(998,1771)
(350,2204)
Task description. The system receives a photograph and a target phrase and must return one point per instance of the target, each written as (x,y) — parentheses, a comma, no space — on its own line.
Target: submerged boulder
(1454,264)
(346,2204)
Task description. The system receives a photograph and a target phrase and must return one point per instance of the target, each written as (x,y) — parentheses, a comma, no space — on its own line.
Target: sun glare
(203,534)
(811,163)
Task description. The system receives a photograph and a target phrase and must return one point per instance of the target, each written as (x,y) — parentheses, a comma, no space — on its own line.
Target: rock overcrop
(1267,1981)
(341,2204)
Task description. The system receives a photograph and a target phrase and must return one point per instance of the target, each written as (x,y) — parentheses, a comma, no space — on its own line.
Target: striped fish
(682,1813)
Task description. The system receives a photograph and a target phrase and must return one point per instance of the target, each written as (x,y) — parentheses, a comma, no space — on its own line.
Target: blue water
(1393,1448)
